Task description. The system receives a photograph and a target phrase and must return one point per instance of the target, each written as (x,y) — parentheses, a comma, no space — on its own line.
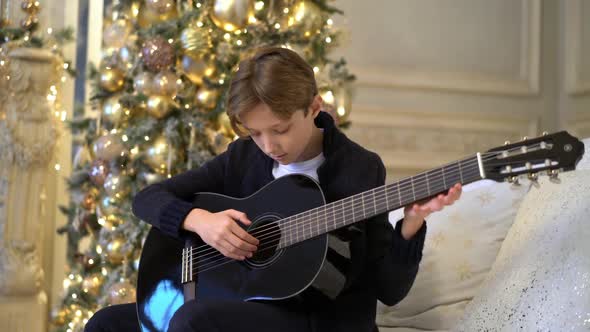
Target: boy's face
(285,140)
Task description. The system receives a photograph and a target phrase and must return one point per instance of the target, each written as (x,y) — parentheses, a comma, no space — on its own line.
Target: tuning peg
(554,175)
(533,177)
(507,143)
(525,138)
(514,180)
(545,133)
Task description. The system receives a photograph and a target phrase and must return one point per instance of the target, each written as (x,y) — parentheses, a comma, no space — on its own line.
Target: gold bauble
(224,125)
(60,317)
(165,83)
(148,16)
(195,41)
(121,292)
(119,11)
(117,185)
(108,147)
(115,34)
(143,83)
(158,153)
(206,97)
(112,111)
(231,15)
(159,106)
(92,284)
(110,222)
(161,6)
(29,23)
(115,250)
(112,79)
(30,6)
(306,16)
(196,67)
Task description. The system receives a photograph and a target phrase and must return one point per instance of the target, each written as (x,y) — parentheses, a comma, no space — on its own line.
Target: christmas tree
(159,94)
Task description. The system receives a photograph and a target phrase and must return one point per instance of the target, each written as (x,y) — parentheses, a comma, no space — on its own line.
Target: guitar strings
(213,253)
(383,189)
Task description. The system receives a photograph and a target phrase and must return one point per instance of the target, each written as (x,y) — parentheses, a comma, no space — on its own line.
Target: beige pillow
(461,245)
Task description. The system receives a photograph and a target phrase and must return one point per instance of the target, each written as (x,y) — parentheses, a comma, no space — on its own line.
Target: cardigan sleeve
(165,205)
(394,259)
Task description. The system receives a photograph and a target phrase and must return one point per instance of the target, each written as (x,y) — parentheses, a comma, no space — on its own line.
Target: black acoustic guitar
(293,231)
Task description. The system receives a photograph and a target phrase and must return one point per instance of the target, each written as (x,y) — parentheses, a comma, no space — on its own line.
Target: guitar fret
(326,217)
(460,171)
(363,204)
(412,185)
(374,203)
(353,209)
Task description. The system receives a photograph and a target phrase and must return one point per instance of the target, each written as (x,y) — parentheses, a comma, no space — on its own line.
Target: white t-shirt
(308,167)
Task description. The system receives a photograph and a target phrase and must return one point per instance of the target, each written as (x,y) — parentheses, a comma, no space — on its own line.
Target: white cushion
(540,279)
(585,162)
(461,245)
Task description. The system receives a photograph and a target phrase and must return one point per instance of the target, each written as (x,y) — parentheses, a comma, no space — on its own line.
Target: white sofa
(465,284)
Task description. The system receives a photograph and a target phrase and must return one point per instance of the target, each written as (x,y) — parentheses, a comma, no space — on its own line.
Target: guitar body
(268,275)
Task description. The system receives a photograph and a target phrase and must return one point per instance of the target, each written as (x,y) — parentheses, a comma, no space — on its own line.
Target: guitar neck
(365,205)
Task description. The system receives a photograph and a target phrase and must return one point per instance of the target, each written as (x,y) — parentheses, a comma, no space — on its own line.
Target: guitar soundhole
(266,229)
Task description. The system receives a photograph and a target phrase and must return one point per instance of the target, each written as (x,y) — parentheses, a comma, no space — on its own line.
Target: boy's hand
(414,214)
(221,231)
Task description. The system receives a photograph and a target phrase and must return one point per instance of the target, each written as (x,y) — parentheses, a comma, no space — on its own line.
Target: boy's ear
(316,105)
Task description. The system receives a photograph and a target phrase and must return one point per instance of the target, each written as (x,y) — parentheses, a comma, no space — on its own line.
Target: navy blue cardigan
(383,264)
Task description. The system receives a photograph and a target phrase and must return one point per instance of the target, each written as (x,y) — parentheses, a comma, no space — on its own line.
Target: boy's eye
(280,132)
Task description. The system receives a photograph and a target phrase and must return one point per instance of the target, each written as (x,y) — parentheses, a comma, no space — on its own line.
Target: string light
(259,5)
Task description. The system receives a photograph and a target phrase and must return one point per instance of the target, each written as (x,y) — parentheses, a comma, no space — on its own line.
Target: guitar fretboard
(350,210)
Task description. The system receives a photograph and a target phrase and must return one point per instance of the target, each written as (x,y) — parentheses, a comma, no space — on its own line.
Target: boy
(273,104)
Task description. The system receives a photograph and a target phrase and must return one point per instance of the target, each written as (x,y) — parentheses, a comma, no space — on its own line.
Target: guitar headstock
(548,154)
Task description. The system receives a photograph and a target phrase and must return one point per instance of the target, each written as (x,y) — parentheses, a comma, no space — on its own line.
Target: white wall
(438,80)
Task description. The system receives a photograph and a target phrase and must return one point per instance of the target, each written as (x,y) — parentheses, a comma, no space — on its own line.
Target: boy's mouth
(279,157)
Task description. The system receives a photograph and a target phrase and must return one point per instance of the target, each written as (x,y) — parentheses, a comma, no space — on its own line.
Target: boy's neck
(315,145)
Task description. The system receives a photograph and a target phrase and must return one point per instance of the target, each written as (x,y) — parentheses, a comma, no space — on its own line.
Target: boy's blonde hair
(275,76)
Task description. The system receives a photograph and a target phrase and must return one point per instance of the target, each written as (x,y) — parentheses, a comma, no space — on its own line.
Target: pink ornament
(98,172)
(157,54)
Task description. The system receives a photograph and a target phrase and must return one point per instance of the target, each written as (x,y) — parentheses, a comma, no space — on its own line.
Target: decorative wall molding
(526,84)
(575,85)
(579,124)
(413,141)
